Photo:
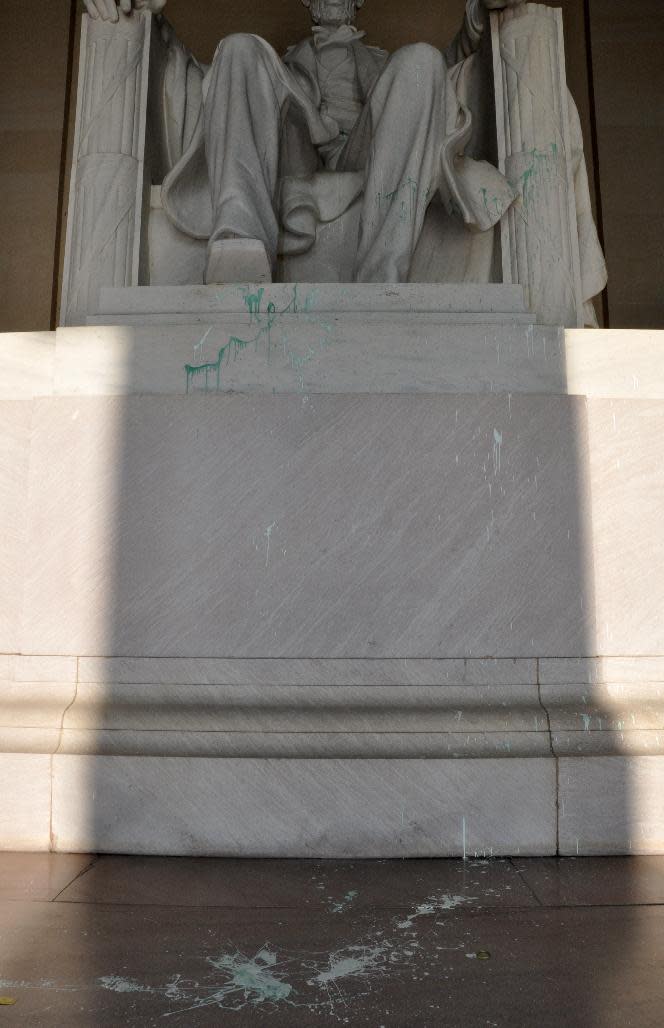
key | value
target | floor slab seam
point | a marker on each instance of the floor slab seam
(319, 911)
(466, 913)
(526, 883)
(83, 871)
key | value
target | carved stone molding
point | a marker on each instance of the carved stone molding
(107, 192)
(539, 237)
(299, 708)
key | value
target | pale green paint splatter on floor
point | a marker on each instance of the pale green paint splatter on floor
(355, 960)
(339, 906)
(252, 977)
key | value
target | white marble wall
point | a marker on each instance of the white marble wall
(290, 526)
(325, 808)
(332, 621)
(332, 757)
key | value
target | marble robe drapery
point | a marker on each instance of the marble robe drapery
(186, 190)
(308, 197)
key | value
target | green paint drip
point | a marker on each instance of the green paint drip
(266, 320)
(408, 203)
(233, 346)
(489, 202)
(253, 303)
(540, 162)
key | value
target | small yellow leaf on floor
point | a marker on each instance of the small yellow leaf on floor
(7, 1001)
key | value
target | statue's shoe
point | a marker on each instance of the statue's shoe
(237, 260)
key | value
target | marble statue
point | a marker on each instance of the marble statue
(333, 103)
(263, 150)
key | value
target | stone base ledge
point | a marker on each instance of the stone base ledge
(281, 808)
(465, 300)
(329, 708)
(332, 757)
(332, 352)
(290, 531)
(340, 808)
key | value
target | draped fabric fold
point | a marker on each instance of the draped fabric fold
(311, 190)
(465, 183)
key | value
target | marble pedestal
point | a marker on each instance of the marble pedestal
(288, 576)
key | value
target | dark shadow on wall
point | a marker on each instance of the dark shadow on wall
(269, 549)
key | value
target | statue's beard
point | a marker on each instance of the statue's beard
(333, 12)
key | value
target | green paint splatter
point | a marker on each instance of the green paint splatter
(233, 346)
(541, 161)
(251, 977)
(434, 905)
(353, 961)
(492, 202)
(115, 983)
(408, 203)
(211, 370)
(341, 905)
(253, 304)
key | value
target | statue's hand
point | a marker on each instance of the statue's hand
(499, 5)
(108, 10)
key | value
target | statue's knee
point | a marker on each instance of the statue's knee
(239, 44)
(418, 60)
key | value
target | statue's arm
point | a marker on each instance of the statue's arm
(180, 93)
(108, 10)
(467, 40)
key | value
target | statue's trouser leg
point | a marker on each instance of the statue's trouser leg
(402, 165)
(249, 88)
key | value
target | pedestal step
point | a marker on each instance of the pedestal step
(460, 303)
(361, 617)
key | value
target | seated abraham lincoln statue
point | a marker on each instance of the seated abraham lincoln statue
(253, 139)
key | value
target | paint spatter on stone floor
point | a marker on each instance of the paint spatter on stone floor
(339, 906)
(116, 983)
(41, 983)
(318, 982)
(271, 980)
(434, 905)
(351, 962)
(239, 981)
(255, 978)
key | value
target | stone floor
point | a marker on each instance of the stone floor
(175, 941)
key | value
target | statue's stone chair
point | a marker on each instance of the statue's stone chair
(119, 235)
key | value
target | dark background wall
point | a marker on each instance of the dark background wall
(628, 76)
(34, 59)
(620, 104)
